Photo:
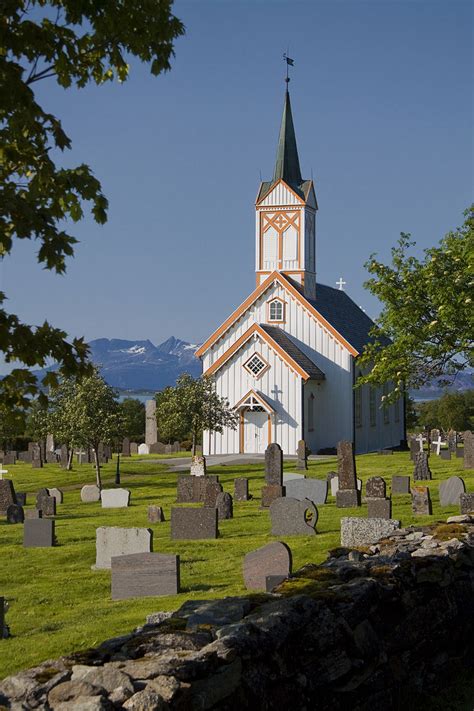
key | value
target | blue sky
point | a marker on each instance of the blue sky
(382, 103)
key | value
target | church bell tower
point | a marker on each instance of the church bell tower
(286, 216)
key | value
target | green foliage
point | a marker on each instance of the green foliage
(12, 425)
(133, 418)
(411, 414)
(427, 312)
(191, 407)
(76, 43)
(453, 411)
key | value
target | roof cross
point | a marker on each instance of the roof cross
(340, 284)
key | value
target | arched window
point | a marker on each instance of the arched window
(276, 311)
(311, 413)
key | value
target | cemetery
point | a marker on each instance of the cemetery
(81, 572)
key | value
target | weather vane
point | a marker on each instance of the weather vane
(289, 63)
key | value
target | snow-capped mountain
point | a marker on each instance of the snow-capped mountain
(140, 365)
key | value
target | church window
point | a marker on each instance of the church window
(396, 408)
(386, 410)
(256, 365)
(276, 310)
(311, 413)
(373, 406)
(358, 407)
(290, 248)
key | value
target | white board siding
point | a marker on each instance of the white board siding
(233, 382)
(369, 438)
(280, 196)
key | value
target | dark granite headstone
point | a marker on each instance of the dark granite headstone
(274, 559)
(192, 489)
(375, 488)
(144, 575)
(421, 501)
(270, 493)
(21, 498)
(241, 489)
(9, 458)
(468, 438)
(291, 517)
(379, 508)
(25, 457)
(422, 468)
(400, 484)
(274, 464)
(452, 440)
(155, 514)
(224, 506)
(193, 523)
(38, 533)
(7, 495)
(347, 498)
(414, 448)
(51, 458)
(36, 463)
(466, 502)
(212, 489)
(156, 448)
(445, 454)
(346, 465)
(46, 504)
(126, 447)
(64, 456)
(451, 490)
(302, 454)
(15, 514)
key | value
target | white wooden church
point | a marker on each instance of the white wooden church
(286, 358)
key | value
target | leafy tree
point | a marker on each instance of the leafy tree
(191, 407)
(133, 414)
(427, 313)
(453, 411)
(411, 414)
(12, 425)
(76, 43)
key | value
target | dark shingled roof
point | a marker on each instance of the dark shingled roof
(285, 342)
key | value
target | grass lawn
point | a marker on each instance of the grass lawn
(59, 605)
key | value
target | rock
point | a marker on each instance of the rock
(463, 518)
(213, 612)
(86, 703)
(70, 690)
(165, 686)
(146, 700)
(105, 677)
(157, 617)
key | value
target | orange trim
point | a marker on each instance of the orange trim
(272, 188)
(269, 340)
(274, 276)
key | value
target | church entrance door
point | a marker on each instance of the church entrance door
(255, 431)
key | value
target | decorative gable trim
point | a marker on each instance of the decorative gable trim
(256, 329)
(275, 276)
(260, 399)
(275, 185)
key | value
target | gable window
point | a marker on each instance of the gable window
(373, 407)
(276, 311)
(256, 365)
(311, 413)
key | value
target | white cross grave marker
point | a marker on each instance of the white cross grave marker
(420, 439)
(340, 284)
(2, 472)
(438, 442)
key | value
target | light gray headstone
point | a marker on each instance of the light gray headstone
(291, 517)
(450, 491)
(292, 476)
(115, 498)
(38, 533)
(114, 541)
(151, 434)
(365, 531)
(143, 449)
(56, 494)
(90, 493)
(334, 485)
(316, 490)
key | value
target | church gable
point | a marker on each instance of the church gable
(279, 194)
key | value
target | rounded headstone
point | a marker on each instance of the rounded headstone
(224, 506)
(450, 491)
(375, 488)
(57, 494)
(15, 514)
(270, 560)
(291, 517)
(90, 493)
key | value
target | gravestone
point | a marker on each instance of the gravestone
(38, 533)
(46, 503)
(241, 489)
(151, 433)
(212, 490)
(176, 446)
(21, 498)
(334, 485)
(126, 447)
(143, 449)
(366, 531)
(133, 448)
(57, 494)
(192, 489)
(50, 443)
(375, 488)
(51, 458)
(302, 454)
(400, 484)
(15, 514)
(114, 541)
(434, 434)
(155, 448)
(224, 506)
(445, 454)
(291, 476)
(274, 464)
(115, 498)
(198, 466)
(24, 457)
(291, 517)
(271, 560)
(155, 514)
(160, 448)
(459, 452)
(422, 468)
(36, 464)
(414, 448)
(468, 438)
(32, 513)
(64, 456)
(421, 501)
(347, 498)
(451, 490)
(90, 493)
(9, 458)
(270, 493)
(7, 495)
(168, 449)
(193, 523)
(346, 465)
(379, 508)
(144, 575)
(466, 502)
(452, 440)
(316, 490)
(330, 476)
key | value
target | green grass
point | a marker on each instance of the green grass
(59, 605)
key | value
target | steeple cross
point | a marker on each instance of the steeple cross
(340, 284)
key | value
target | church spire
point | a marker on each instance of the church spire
(287, 165)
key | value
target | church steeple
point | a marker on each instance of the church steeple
(287, 164)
